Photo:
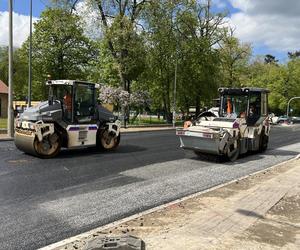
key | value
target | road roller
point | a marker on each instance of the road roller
(241, 125)
(70, 118)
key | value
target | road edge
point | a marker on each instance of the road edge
(142, 130)
(6, 139)
(81, 236)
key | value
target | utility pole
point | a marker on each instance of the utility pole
(10, 120)
(30, 57)
(174, 97)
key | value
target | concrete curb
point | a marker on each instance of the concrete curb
(6, 139)
(82, 236)
(147, 130)
(148, 126)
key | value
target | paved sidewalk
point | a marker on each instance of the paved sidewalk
(5, 137)
(261, 211)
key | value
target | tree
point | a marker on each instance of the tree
(116, 96)
(119, 26)
(60, 49)
(68, 5)
(161, 58)
(20, 72)
(269, 59)
(119, 97)
(201, 30)
(273, 77)
(4, 64)
(292, 87)
(234, 60)
(294, 55)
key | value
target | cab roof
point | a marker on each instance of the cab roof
(69, 82)
(245, 90)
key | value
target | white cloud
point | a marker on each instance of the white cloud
(270, 23)
(220, 4)
(243, 5)
(91, 19)
(20, 28)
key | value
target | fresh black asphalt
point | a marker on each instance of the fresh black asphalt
(44, 201)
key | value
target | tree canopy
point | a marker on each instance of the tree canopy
(144, 46)
(60, 50)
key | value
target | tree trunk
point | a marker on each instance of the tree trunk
(197, 105)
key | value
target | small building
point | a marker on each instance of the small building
(3, 99)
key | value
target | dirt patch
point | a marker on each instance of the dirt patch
(270, 233)
(280, 226)
(173, 216)
(221, 193)
(288, 209)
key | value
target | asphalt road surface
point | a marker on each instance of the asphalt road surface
(44, 201)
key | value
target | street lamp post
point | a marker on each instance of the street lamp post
(288, 105)
(10, 120)
(174, 97)
(30, 57)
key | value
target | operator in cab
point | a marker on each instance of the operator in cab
(68, 104)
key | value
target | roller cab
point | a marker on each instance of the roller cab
(71, 118)
(241, 125)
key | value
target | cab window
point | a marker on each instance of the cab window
(84, 103)
(234, 106)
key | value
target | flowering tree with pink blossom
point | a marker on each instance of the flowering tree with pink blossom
(115, 96)
(122, 99)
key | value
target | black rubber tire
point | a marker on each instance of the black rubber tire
(263, 142)
(51, 155)
(100, 142)
(234, 155)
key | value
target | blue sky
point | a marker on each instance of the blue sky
(23, 6)
(268, 25)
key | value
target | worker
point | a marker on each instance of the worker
(229, 106)
(252, 116)
(242, 114)
(68, 105)
(230, 109)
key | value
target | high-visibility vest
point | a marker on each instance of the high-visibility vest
(68, 102)
(229, 106)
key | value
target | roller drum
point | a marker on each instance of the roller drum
(25, 143)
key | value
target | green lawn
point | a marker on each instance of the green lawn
(152, 121)
(3, 122)
(142, 121)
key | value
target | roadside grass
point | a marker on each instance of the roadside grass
(147, 120)
(152, 121)
(3, 123)
(142, 121)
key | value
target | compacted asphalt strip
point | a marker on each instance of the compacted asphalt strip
(44, 201)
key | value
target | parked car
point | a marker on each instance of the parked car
(282, 119)
(292, 119)
(295, 119)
